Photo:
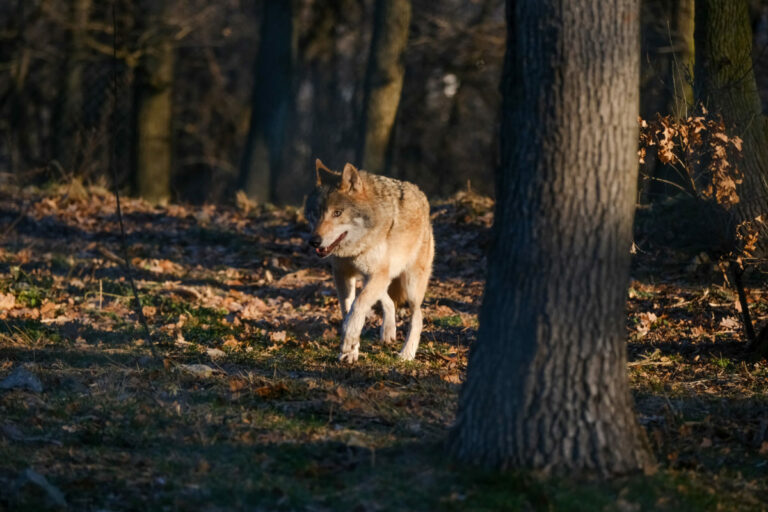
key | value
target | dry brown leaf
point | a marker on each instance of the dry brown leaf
(7, 301)
(271, 390)
(237, 384)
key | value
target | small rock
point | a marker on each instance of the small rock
(21, 378)
(215, 353)
(198, 370)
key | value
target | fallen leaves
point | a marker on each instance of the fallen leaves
(7, 301)
(248, 325)
(645, 322)
(730, 323)
(253, 309)
(237, 384)
(272, 390)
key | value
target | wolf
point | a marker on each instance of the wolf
(378, 229)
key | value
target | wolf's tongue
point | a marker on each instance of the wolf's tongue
(324, 251)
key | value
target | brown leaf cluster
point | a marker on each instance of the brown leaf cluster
(747, 236)
(700, 149)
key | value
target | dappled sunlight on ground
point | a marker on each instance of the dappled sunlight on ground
(246, 403)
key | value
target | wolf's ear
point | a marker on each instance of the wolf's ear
(325, 176)
(350, 179)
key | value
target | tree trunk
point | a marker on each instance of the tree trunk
(154, 105)
(69, 114)
(725, 83)
(22, 150)
(547, 386)
(682, 57)
(669, 88)
(383, 82)
(263, 153)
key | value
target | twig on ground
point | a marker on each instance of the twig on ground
(13, 224)
(738, 283)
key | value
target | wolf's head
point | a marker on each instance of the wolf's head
(337, 210)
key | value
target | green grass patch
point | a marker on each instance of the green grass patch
(448, 321)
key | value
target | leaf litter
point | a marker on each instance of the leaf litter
(249, 399)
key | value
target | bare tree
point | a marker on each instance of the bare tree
(546, 385)
(69, 111)
(154, 107)
(383, 82)
(263, 153)
(681, 35)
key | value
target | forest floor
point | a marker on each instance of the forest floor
(246, 407)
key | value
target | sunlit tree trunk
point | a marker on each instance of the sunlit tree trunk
(383, 82)
(547, 385)
(725, 83)
(154, 109)
(69, 114)
(263, 153)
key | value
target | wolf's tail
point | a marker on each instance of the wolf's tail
(396, 291)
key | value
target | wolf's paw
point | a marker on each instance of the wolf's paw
(406, 354)
(350, 356)
(388, 333)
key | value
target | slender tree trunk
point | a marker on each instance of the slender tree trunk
(383, 82)
(263, 154)
(154, 111)
(725, 83)
(21, 150)
(322, 61)
(547, 385)
(69, 114)
(674, 53)
(682, 57)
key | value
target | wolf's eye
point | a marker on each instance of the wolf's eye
(337, 213)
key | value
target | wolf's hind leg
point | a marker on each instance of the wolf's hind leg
(388, 327)
(416, 281)
(408, 352)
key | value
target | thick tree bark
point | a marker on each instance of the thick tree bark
(154, 111)
(263, 153)
(725, 83)
(69, 113)
(546, 385)
(383, 82)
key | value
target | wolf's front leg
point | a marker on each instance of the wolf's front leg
(353, 323)
(344, 278)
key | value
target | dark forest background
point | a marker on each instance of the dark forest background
(197, 63)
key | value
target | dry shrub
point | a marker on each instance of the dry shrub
(706, 158)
